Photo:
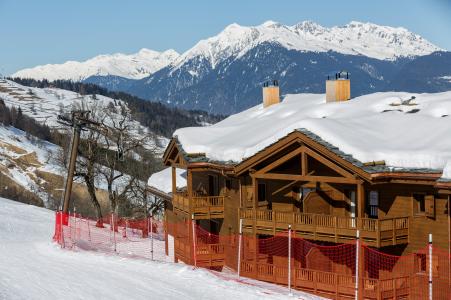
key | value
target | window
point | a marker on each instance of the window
(373, 203)
(296, 193)
(228, 184)
(213, 185)
(261, 192)
(419, 206)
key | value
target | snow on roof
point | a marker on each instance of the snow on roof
(163, 180)
(407, 130)
(447, 171)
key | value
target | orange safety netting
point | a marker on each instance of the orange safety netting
(329, 270)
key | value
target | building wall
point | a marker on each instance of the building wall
(396, 200)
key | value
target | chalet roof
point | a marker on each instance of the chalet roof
(162, 180)
(410, 132)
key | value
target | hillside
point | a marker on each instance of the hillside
(44, 105)
(32, 267)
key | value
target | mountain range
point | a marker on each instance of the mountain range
(223, 74)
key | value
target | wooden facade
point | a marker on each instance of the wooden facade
(323, 194)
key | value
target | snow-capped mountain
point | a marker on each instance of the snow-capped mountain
(133, 66)
(355, 38)
(223, 74)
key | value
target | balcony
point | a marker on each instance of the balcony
(202, 207)
(328, 228)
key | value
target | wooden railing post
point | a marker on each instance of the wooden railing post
(393, 231)
(289, 259)
(240, 238)
(273, 217)
(357, 265)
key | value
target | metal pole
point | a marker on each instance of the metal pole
(430, 266)
(194, 240)
(357, 254)
(71, 169)
(289, 259)
(151, 237)
(74, 241)
(89, 230)
(114, 230)
(61, 229)
(240, 238)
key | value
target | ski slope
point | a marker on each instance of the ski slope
(33, 267)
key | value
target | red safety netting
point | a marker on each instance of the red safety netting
(330, 270)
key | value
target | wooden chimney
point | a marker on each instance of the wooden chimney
(338, 87)
(271, 93)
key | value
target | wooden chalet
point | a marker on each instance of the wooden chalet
(325, 195)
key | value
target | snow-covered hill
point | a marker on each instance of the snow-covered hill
(133, 66)
(44, 105)
(32, 267)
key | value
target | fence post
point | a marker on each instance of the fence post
(194, 240)
(74, 240)
(289, 259)
(240, 238)
(357, 269)
(151, 237)
(430, 266)
(61, 229)
(89, 230)
(114, 230)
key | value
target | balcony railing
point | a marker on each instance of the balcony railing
(374, 232)
(202, 207)
(207, 255)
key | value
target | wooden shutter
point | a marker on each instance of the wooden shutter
(429, 205)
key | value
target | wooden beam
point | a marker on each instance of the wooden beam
(281, 160)
(174, 181)
(292, 177)
(255, 186)
(284, 187)
(328, 163)
(189, 186)
(304, 164)
(360, 200)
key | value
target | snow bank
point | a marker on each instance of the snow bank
(32, 267)
(163, 180)
(380, 126)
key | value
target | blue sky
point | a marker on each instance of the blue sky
(53, 31)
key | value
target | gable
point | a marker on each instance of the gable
(297, 155)
(173, 156)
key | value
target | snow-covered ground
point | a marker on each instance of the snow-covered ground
(33, 267)
(406, 130)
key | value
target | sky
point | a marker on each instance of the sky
(53, 31)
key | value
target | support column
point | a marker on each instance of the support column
(189, 186)
(360, 200)
(304, 164)
(255, 186)
(174, 181)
